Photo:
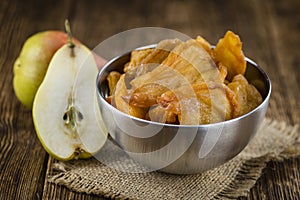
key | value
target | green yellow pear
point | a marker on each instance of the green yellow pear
(31, 65)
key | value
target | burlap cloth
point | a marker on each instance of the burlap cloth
(275, 140)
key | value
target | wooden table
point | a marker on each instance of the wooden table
(270, 31)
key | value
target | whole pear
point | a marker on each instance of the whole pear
(32, 64)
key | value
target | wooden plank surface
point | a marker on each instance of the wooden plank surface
(270, 31)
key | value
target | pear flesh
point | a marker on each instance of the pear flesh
(65, 112)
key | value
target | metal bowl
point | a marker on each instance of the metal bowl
(181, 149)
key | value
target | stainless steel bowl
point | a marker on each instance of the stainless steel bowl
(182, 149)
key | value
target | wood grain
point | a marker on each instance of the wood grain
(269, 30)
(22, 159)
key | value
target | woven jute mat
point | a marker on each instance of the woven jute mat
(274, 141)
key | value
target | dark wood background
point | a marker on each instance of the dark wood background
(269, 30)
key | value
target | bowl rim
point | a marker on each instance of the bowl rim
(222, 123)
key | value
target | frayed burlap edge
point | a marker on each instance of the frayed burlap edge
(74, 183)
(249, 171)
(248, 174)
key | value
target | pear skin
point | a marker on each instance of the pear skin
(31, 65)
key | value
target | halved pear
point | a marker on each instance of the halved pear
(65, 112)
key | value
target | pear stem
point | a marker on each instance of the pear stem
(68, 30)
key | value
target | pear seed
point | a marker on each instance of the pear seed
(80, 116)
